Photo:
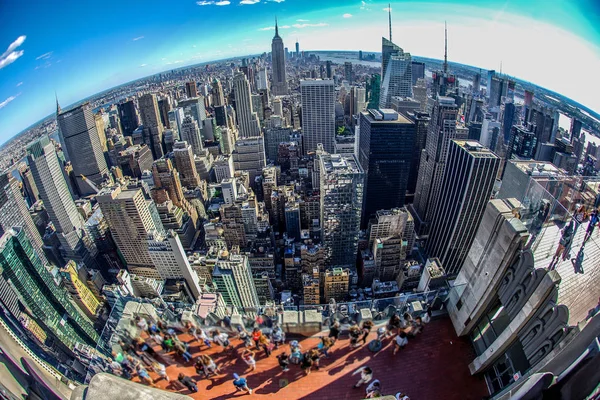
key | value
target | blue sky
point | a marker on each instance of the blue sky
(78, 48)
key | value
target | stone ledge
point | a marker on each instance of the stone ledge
(107, 386)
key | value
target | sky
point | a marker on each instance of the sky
(78, 48)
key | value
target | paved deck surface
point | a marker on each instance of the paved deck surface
(433, 366)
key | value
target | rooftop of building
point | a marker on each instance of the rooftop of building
(538, 168)
(385, 116)
(475, 148)
(341, 164)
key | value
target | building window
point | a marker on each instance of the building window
(491, 325)
(511, 364)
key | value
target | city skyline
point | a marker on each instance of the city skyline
(60, 54)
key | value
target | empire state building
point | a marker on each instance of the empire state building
(279, 86)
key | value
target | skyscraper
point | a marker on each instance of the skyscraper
(81, 141)
(50, 305)
(418, 71)
(131, 216)
(318, 114)
(184, 161)
(83, 296)
(249, 155)
(279, 85)
(153, 127)
(217, 93)
(54, 191)
(421, 121)
(14, 212)
(442, 129)
(191, 134)
(232, 277)
(248, 123)
(168, 255)
(466, 188)
(191, 90)
(129, 117)
(385, 152)
(396, 73)
(341, 182)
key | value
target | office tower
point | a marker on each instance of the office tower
(81, 142)
(223, 167)
(129, 117)
(262, 80)
(166, 177)
(131, 216)
(328, 69)
(575, 130)
(14, 212)
(191, 90)
(341, 182)
(522, 143)
(35, 287)
(83, 296)
(442, 129)
(336, 282)
(217, 93)
(179, 220)
(279, 85)
(477, 83)
(277, 107)
(385, 152)
(360, 99)
(508, 120)
(164, 107)
(196, 109)
(248, 123)
(249, 155)
(297, 49)
(191, 134)
(273, 137)
(153, 127)
(466, 188)
(318, 114)
(390, 239)
(374, 91)
(292, 219)
(32, 195)
(396, 73)
(417, 70)
(176, 118)
(348, 75)
(50, 181)
(421, 121)
(170, 259)
(184, 161)
(233, 279)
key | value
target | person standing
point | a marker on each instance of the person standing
(334, 331)
(241, 383)
(256, 335)
(325, 345)
(366, 329)
(354, 335)
(594, 219)
(188, 383)
(209, 366)
(248, 357)
(306, 363)
(265, 343)
(366, 374)
(400, 342)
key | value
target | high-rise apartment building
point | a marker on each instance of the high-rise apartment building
(81, 143)
(279, 85)
(396, 73)
(83, 296)
(442, 129)
(153, 127)
(248, 122)
(35, 287)
(312, 287)
(341, 182)
(232, 277)
(184, 161)
(318, 114)
(336, 282)
(54, 191)
(168, 255)
(421, 121)
(14, 212)
(131, 216)
(385, 152)
(466, 188)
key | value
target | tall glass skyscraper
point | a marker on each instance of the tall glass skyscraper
(318, 114)
(50, 305)
(279, 86)
(396, 73)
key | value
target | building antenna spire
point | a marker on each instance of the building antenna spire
(445, 48)
(390, 19)
(276, 28)
(58, 109)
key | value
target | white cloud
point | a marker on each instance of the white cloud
(278, 1)
(388, 9)
(143, 65)
(11, 54)
(222, 3)
(45, 56)
(19, 84)
(8, 100)
(205, 3)
(137, 38)
(347, 15)
(297, 26)
(363, 6)
(302, 20)
(249, 2)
